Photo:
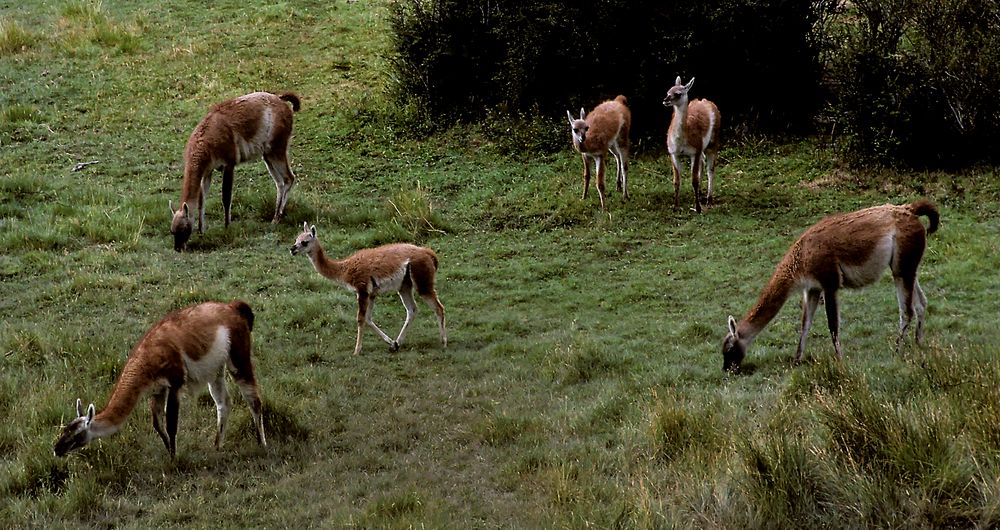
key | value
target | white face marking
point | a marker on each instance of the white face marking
(207, 367)
(579, 130)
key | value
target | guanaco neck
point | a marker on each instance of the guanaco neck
(194, 169)
(124, 397)
(329, 268)
(771, 299)
(680, 117)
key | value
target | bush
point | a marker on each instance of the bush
(460, 60)
(918, 81)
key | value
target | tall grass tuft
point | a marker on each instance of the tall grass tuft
(501, 429)
(17, 113)
(14, 37)
(827, 375)
(582, 360)
(26, 346)
(785, 481)
(396, 507)
(676, 426)
(412, 215)
(85, 23)
(887, 438)
(17, 123)
(109, 220)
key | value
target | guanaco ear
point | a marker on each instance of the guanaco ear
(170, 204)
(570, 118)
(79, 408)
(582, 115)
(687, 87)
(678, 80)
(187, 211)
(312, 230)
(305, 226)
(732, 327)
(90, 414)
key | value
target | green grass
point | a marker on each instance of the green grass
(582, 383)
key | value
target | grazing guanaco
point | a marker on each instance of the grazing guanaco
(399, 267)
(193, 345)
(604, 129)
(694, 131)
(233, 132)
(846, 250)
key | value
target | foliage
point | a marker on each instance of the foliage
(461, 59)
(917, 81)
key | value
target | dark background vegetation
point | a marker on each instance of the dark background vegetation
(910, 82)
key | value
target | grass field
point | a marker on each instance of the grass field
(582, 383)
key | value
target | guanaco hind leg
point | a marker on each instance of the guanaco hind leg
(227, 193)
(921, 308)
(249, 392)
(432, 300)
(710, 160)
(696, 163)
(601, 165)
(621, 172)
(217, 388)
(284, 179)
(810, 301)
(833, 319)
(912, 303)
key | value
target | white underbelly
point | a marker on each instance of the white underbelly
(207, 367)
(873, 268)
(391, 283)
(254, 147)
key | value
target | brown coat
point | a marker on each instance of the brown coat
(849, 250)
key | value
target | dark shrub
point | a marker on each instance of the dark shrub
(757, 59)
(919, 81)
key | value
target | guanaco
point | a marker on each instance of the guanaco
(694, 131)
(399, 268)
(189, 346)
(233, 132)
(604, 129)
(846, 250)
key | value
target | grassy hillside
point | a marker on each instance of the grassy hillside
(581, 385)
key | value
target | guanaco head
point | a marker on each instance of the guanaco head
(77, 434)
(578, 127)
(678, 94)
(181, 225)
(733, 349)
(306, 241)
